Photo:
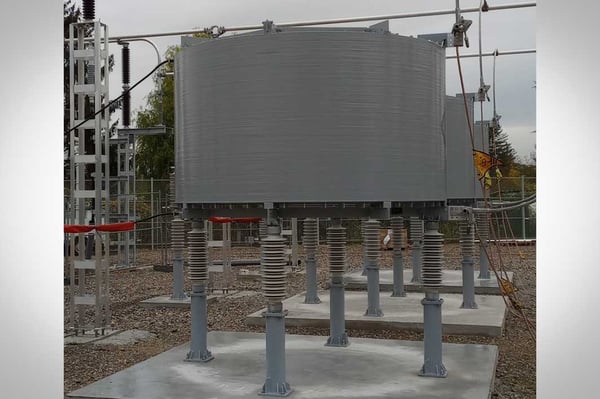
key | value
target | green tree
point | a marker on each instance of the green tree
(502, 149)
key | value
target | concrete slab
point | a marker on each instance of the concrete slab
(451, 282)
(166, 301)
(126, 337)
(401, 313)
(367, 368)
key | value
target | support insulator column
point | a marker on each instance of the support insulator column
(432, 303)
(397, 223)
(371, 242)
(273, 285)
(262, 229)
(416, 235)
(467, 249)
(362, 234)
(198, 272)
(310, 248)
(483, 231)
(172, 204)
(336, 242)
(177, 245)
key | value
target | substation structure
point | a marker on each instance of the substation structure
(310, 135)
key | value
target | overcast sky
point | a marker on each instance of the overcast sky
(503, 30)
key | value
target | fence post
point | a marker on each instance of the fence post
(523, 208)
(152, 212)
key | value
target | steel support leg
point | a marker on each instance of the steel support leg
(373, 307)
(275, 383)
(416, 263)
(432, 340)
(398, 276)
(468, 277)
(178, 292)
(198, 350)
(484, 264)
(311, 282)
(337, 323)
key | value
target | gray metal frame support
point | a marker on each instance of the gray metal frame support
(416, 262)
(336, 241)
(484, 263)
(397, 262)
(467, 246)
(432, 339)
(275, 383)
(198, 349)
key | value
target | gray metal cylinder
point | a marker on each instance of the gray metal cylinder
(432, 337)
(371, 242)
(275, 382)
(321, 97)
(309, 241)
(397, 223)
(198, 344)
(273, 265)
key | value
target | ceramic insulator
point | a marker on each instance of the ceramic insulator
(198, 255)
(483, 226)
(467, 238)
(336, 242)
(273, 267)
(172, 190)
(310, 236)
(262, 229)
(371, 239)
(416, 229)
(432, 259)
(397, 224)
(177, 236)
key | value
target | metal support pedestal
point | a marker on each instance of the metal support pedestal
(373, 307)
(199, 351)
(275, 383)
(337, 323)
(432, 340)
(416, 263)
(484, 264)
(467, 248)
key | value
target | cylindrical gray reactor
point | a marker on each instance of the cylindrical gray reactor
(362, 108)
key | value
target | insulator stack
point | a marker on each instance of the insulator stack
(89, 11)
(90, 69)
(310, 236)
(172, 190)
(262, 229)
(336, 242)
(198, 256)
(397, 224)
(467, 238)
(371, 239)
(177, 236)
(483, 226)
(416, 229)
(126, 94)
(273, 267)
(432, 258)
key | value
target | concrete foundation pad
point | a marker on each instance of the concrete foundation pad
(451, 282)
(368, 368)
(401, 313)
(88, 337)
(167, 302)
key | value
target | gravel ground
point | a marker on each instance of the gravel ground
(84, 364)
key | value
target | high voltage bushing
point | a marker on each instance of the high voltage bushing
(198, 272)
(483, 231)
(371, 242)
(432, 304)
(336, 243)
(89, 12)
(177, 245)
(309, 241)
(273, 278)
(397, 224)
(467, 249)
(416, 236)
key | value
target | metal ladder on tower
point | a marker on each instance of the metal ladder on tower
(88, 83)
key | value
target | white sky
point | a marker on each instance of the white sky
(503, 30)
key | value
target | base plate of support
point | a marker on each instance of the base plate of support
(367, 368)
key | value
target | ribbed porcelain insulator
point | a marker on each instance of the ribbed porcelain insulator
(273, 267)
(416, 229)
(198, 256)
(336, 242)
(172, 190)
(467, 238)
(371, 239)
(432, 259)
(177, 236)
(310, 238)
(397, 223)
(483, 226)
(262, 229)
